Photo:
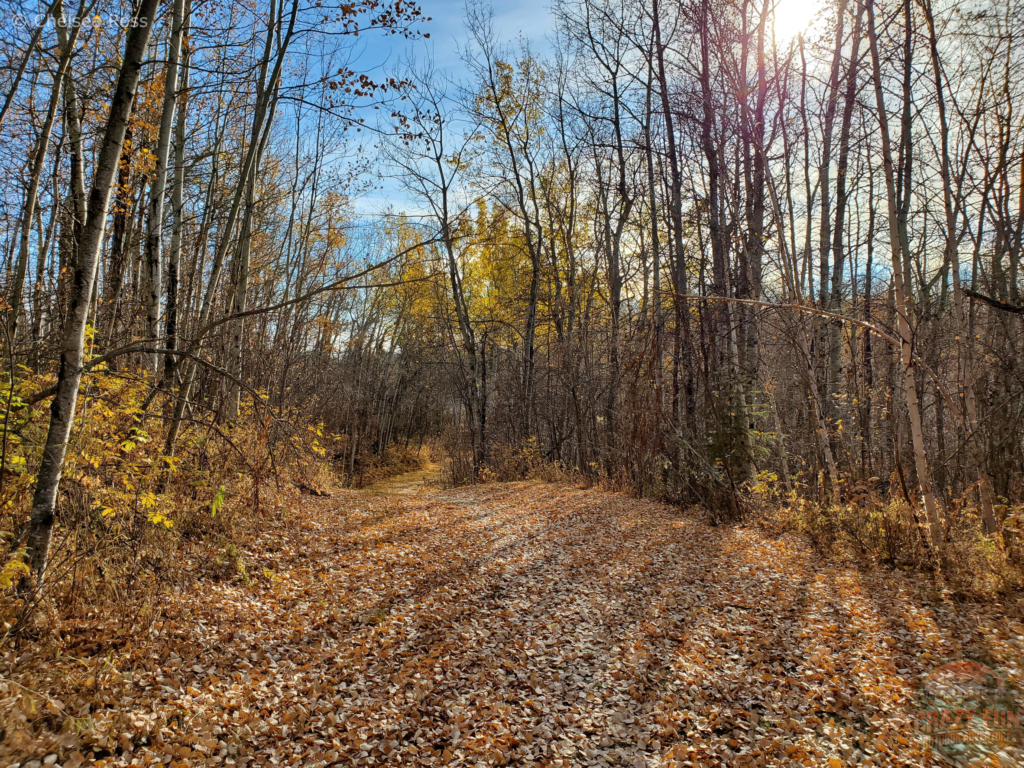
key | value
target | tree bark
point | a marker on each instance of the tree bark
(69, 375)
(177, 202)
(154, 225)
(32, 195)
(952, 205)
(902, 304)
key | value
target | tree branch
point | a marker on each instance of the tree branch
(895, 342)
(996, 303)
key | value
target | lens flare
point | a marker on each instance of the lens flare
(793, 17)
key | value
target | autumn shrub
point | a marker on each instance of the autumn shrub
(880, 528)
(456, 453)
(521, 461)
(503, 463)
(134, 520)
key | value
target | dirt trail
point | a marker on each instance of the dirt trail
(409, 483)
(527, 625)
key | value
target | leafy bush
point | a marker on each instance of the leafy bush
(133, 520)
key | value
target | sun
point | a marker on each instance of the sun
(792, 17)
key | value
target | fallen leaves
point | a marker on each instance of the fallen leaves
(519, 624)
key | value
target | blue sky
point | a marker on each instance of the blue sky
(530, 18)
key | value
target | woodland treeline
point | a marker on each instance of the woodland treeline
(671, 249)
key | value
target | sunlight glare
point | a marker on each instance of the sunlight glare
(792, 17)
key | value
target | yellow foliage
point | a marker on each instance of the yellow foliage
(13, 569)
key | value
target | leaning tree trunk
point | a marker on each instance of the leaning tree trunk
(73, 123)
(237, 305)
(953, 208)
(69, 375)
(240, 280)
(12, 89)
(924, 477)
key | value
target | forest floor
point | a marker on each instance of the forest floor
(423, 479)
(523, 624)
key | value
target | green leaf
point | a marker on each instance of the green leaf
(218, 502)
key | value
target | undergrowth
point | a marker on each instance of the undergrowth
(134, 521)
(874, 527)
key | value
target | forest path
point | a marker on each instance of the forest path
(408, 483)
(530, 624)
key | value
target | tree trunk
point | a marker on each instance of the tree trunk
(154, 225)
(32, 195)
(953, 206)
(902, 304)
(177, 204)
(69, 375)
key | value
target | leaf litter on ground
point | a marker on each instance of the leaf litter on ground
(517, 624)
